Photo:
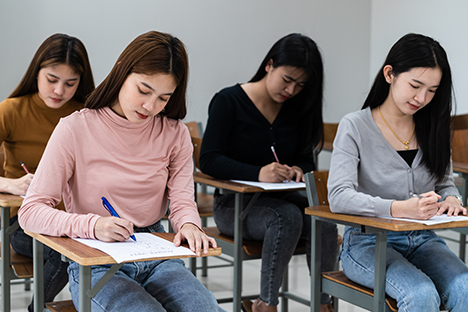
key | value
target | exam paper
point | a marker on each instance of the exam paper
(274, 186)
(146, 246)
(434, 220)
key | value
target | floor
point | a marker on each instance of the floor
(220, 281)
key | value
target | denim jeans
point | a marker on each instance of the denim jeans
(165, 285)
(55, 270)
(277, 219)
(422, 272)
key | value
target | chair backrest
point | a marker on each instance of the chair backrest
(460, 122)
(460, 138)
(316, 187)
(196, 142)
(329, 133)
(193, 129)
(460, 146)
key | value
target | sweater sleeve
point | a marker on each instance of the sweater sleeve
(180, 186)
(38, 213)
(343, 180)
(216, 140)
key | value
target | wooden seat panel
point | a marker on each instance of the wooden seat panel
(61, 306)
(340, 278)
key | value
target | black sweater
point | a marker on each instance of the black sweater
(238, 138)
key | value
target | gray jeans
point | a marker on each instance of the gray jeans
(277, 219)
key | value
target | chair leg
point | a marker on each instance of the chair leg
(27, 284)
(204, 260)
(462, 247)
(285, 287)
(193, 266)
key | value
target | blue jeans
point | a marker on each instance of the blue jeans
(422, 272)
(55, 270)
(165, 285)
(277, 219)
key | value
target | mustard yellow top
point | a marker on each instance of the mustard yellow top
(26, 124)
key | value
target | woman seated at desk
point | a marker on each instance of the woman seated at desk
(128, 145)
(56, 84)
(281, 107)
(392, 158)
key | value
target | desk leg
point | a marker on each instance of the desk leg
(237, 296)
(380, 271)
(315, 265)
(38, 267)
(85, 285)
(5, 254)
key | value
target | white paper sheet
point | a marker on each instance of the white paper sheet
(434, 220)
(274, 186)
(146, 246)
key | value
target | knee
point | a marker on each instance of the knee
(454, 298)
(424, 297)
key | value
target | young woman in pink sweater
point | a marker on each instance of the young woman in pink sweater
(128, 145)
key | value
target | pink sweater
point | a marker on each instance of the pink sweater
(139, 168)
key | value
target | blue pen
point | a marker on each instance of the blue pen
(112, 211)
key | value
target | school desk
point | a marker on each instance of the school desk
(377, 226)
(6, 202)
(240, 212)
(85, 256)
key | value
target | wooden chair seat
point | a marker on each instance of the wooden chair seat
(251, 248)
(21, 265)
(340, 278)
(61, 306)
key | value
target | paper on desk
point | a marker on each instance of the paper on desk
(146, 246)
(274, 186)
(434, 220)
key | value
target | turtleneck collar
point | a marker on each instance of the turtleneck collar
(120, 121)
(41, 104)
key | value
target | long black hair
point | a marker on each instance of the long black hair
(302, 52)
(432, 121)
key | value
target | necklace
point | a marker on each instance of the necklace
(406, 143)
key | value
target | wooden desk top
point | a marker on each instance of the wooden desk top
(85, 255)
(381, 223)
(199, 177)
(460, 167)
(8, 200)
(202, 178)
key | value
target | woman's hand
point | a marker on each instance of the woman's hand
(274, 172)
(112, 229)
(195, 238)
(296, 173)
(17, 186)
(422, 208)
(452, 206)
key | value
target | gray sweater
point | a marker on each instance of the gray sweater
(367, 173)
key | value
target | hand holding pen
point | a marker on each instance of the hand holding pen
(276, 172)
(19, 186)
(108, 227)
(423, 206)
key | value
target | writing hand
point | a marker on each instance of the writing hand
(17, 186)
(195, 238)
(422, 208)
(112, 229)
(274, 173)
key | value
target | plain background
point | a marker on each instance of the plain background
(227, 39)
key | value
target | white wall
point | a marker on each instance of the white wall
(226, 39)
(445, 21)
